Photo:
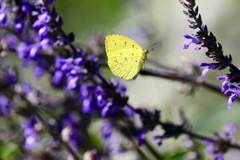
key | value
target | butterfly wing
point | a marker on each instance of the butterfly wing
(125, 56)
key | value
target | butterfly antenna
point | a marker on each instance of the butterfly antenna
(152, 45)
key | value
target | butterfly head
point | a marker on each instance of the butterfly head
(146, 51)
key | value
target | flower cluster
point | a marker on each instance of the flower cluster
(219, 147)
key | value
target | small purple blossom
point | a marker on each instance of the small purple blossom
(31, 133)
(218, 146)
(3, 18)
(73, 70)
(19, 25)
(140, 135)
(5, 107)
(234, 92)
(192, 39)
(208, 67)
(71, 123)
(225, 84)
(230, 129)
(213, 149)
(112, 139)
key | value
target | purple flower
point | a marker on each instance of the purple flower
(19, 25)
(208, 67)
(57, 78)
(8, 76)
(3, 18)
(112, 139)
(11, 41)
(31, 133)
(119, 88)
(192, 39)
(5, 107)
(71, 123)
(106, 130)
(171, 130)
(225, 84)
(27, 8)
(72, 69)
(219, 146)
(148, 121)
(140, 134)
(230, 129)
(234, 92)
(159, 139)
(213, 149)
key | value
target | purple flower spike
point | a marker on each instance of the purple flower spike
(192, 39)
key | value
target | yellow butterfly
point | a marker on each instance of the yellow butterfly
(125, 56)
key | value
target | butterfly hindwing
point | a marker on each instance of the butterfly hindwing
(125, 56)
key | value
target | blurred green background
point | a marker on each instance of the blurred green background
(163, 22)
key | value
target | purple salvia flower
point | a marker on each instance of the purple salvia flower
(234, 92)
(230, 129)
(192, 39)
(71, 123)
(72, 82)
(8, 76)
(19, 25)
(27, 8)
(5, 107)
(140, 135)
(159, 139)
(112, 140)
(38, 72)
(219, 146)
(23, 50)
(105, 110)
(31, 133)
(106, 130)
(213, 149)
(33, 50)
(46, 43)
(119, 88)
(57, 78)
(42, 32)
(225, 84)
(208, 67)
(128, 111)
(11, 40)
(3, 17)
